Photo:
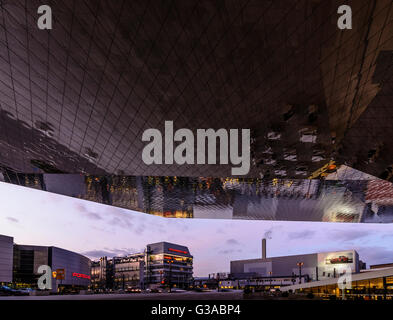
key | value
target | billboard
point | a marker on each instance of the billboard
(335, 258)
(332, 264)
(339, 259)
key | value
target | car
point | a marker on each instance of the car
(340, 259)
(23, 291)
(8, 291)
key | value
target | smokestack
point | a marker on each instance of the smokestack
(263, 248)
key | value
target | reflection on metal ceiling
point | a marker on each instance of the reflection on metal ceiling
(227, 198)
(75, 100)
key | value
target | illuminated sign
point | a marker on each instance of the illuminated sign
(176, 250)
(339, 259)
(59, 274)
(336, 258)
(80, 275)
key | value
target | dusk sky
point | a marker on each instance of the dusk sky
(41, 218)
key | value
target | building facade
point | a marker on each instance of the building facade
(74, 266)
(307, 267)
(373, 284)
(6, 252)
(102, 273)
(129, 271)
(161, 264)
(169, 264)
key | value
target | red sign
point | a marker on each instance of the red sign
(176, 250)
(80, 275)
(59, 274)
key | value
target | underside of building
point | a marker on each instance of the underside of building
(76, 100)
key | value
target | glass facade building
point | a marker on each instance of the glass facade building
(161, 264)
(27, 259)
(369, 285)
(169, 264)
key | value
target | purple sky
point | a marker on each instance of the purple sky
(42, 218)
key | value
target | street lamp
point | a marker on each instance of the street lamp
(270, 273)
(161, 272)
(170, 275)
(300, 264)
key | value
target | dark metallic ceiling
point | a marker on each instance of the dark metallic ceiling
(78, 97)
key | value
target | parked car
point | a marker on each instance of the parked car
(23, 291)
(26, 289)
(8, 291)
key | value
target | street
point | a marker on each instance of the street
(189, 295)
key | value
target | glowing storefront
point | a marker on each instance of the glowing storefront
(376, 284)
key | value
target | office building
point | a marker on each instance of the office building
(119, 272)
(169, 263)
(161, 264)
(74, 266)
(19, 265)
(101, 273)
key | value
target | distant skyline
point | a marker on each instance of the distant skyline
(42, 218)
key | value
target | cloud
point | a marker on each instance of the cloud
(140, 229)
(87, 213)
(14, 220)
(375, 255)
(307, 234)
(122, 222)
(232, 242)
(387, 235)
(230, 251)
(220, 230)
(95, 254)
(348, 235)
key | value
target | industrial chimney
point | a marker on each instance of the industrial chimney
(263, 248)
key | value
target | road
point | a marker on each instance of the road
(190, 295)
